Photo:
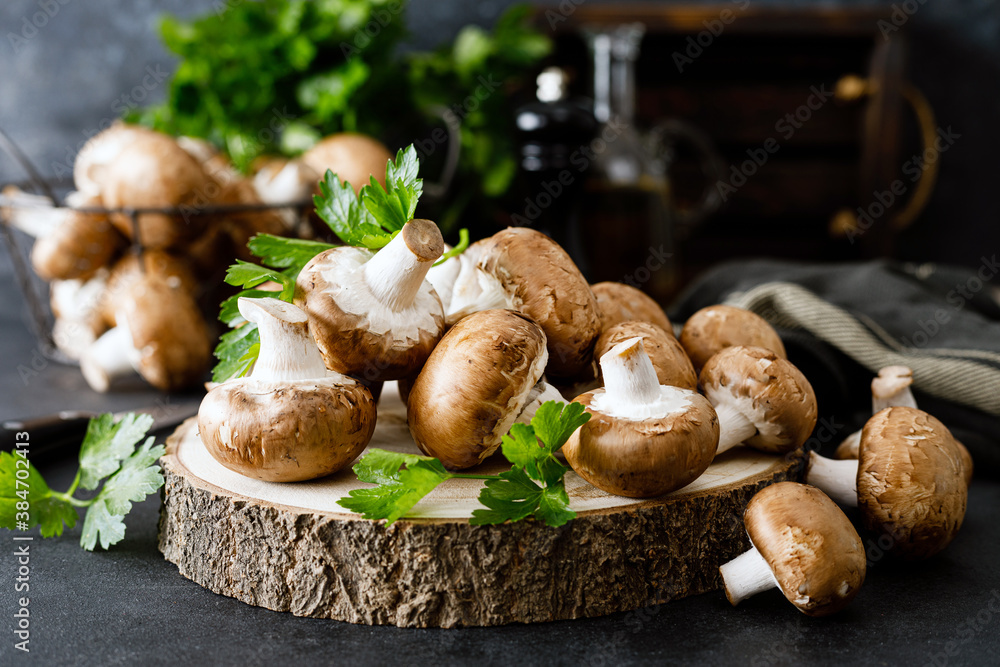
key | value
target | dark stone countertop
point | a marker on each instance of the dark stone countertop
(129, 606)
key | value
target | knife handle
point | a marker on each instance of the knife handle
(48, 436)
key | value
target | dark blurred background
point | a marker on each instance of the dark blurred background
(71, 77)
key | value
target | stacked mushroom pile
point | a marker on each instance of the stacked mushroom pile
(128, 287)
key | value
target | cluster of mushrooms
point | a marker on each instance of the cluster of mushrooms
(135, 256)
(479, 341)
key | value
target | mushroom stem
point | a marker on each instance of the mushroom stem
(734, 427)
(629, 376)
(540, 393)
(108, 359)
(287, 351)
(746, 575)
(891, 389)
(394, 274)
(838, 479)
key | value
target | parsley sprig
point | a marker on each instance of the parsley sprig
(108, 453)
(533, 487)
(368, 220)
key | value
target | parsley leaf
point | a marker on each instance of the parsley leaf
(107, 443)
(235, 352)
(44, 509)
(533, 487)
(346, 216)
(285, 253)
(108, 453)
(403, 480)
(394, 205)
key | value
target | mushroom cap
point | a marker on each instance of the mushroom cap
(648, 457)
(768, 390)
(816, 556)
(354, 158)
(618, 302)
(356, 334)
(152, 171)
(174, 270)
(287, 432)
(911, 481)
(474, 385)
(100, 152)
(542, 282)
(715, 328)
(81, 245)
(167, 331)
(672, 365)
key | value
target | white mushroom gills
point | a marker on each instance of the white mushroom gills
(631, 388)
(396, 272)
(746, 575)
(734, 427)
(837, 479)
(287, 351)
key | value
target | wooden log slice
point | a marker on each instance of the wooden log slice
(290, 547)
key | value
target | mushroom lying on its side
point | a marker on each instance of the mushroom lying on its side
(802, 543)
(618, 302)
(291, 419)
(484, 375)
(909, 481)
(714, 328)
(762, 400)
(891, 389)
(374, 316)
(643, 439)
(160, 333)
(672, 366)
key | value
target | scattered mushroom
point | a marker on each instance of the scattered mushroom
(374, 316)
(909, 481)
(291, 419)
(485, 374)
(159, 332)
(762, 400)
(618, 302)
(671, 363)
(802, 543)
(643, 439)
(715, 328)
(355, 158)
(891, 388)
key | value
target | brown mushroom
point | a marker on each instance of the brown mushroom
(152, 171)
(79, 246)
(671, 363)
(539, 279)
(715, 328)
(618, 302)
(100, 152)
(802, 543)
(909, 481)
(160, 333)
(133, 266)
(291, 419)
(643, 439)
(374, 316)
(355, 158)
(762, 400)
(481, 378)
